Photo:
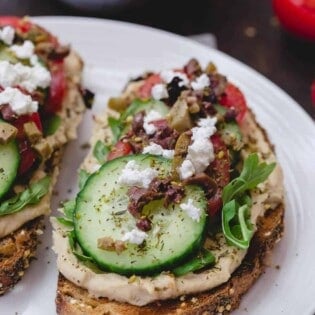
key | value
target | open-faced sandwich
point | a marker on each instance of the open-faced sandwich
(180, 201)
(41, 103)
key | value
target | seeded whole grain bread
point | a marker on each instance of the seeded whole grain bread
(19, 247)
(73, 300)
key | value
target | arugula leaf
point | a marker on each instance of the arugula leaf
(68, 209)
(236, 225)
(241, 231)
(204, 259)
(32, 195)
(100, 151)
(64, 221)
(83, 176)
(253, 173)
(116, 127)
(76, 250)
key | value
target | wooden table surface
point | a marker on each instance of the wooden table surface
(245, 29)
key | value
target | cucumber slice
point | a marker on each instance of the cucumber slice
(138, 105)
(9, 163)
(101, 212)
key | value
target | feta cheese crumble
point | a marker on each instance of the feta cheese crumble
(159, 91)
(156, 149)
(168, 75)
(7, 35)
(200, 153)
(20, 103)
(24, 51)
(186, 170)
(132, 175)
(149, 128)
(27, 77)
(201, 82)
(135, 236)
(191, 210)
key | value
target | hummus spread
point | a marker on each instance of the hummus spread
(72, 109)
(143, 290)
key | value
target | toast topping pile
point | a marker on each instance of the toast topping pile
(168, 187)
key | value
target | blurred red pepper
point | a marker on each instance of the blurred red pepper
(297, 16)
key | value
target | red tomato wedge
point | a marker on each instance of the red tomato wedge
(297, 16)
(19, 24)
(120, 149)
(57, 87)
(144, 91)
(27, 157)
(233, 97)
(21, 120)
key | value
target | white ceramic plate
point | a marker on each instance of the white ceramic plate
(113, 52)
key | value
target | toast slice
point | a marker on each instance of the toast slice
(18, 248)
(72, 299)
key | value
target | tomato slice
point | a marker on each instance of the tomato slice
(219, 169)
(297, 17)
(57, 87)
(21, 120)
(233, 97)
(19, 24)
(120, 149)
(27, 157)
(144, 91)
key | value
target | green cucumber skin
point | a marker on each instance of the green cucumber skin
(133, 261)
(9, 164)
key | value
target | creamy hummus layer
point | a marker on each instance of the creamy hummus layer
(72, 109)
(143, 290)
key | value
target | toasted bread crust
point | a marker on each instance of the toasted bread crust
(19, 247)
(16, 252)
(73, 300)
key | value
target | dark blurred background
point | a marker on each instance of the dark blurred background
(245, 29)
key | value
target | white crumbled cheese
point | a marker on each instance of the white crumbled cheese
(201, 82)
(156, 149)
(7, 35)
(168, 75)
(24, 51)
(159, 91)
(186, 170)
(191, 210)
(20, 103)
(132, 175)
(24, 76)
(152, 115)
(200, 153)
(135, 236)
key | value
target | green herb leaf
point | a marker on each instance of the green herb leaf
(116, 127)
(236, 226)
(32, 195)
(100, 151)
(83, 176)
(66, 222)
(68, 209)
(51, 125)
(204, 259)
(76, 250)
(253, 173)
